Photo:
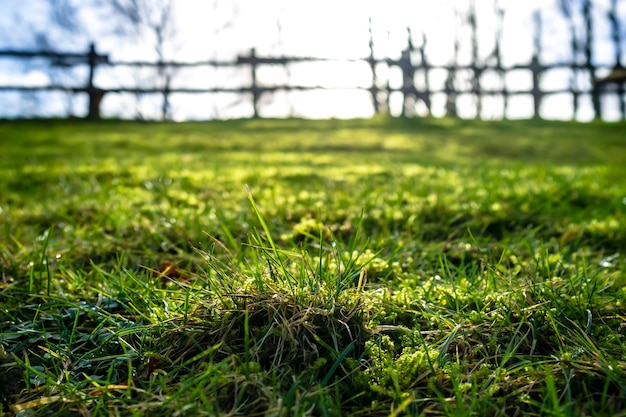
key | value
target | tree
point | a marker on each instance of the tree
(151, 21)
(60, 28)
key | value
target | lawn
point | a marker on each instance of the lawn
(288, 267)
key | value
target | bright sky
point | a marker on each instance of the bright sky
(325, 28)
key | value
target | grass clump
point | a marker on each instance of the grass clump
(408, 267)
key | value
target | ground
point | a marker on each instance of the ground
(292, 267)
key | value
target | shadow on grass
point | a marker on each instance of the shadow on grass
(426, 140)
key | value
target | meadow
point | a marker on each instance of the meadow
(378, 267)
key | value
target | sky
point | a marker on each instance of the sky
(222, 30)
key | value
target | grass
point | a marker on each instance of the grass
(291, 267)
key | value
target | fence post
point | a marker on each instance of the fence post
(95, 94)
(449, 86)
(408, 73)
(617, 44)
(256, 92)
(574, 79)
(497, 53)
(371, 60)
(476, 87)
(535, 67)
(450, 92)
(426, 95)
(591, 68)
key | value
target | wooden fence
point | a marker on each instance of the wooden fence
(379, 94)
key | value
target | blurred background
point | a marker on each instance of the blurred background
(211, 59)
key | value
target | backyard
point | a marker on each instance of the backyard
(377, 267)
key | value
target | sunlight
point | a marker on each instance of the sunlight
(223, 32)
(329, 29)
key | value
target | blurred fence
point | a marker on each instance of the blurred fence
(413, 64)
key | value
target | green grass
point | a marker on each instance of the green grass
(288, 268)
